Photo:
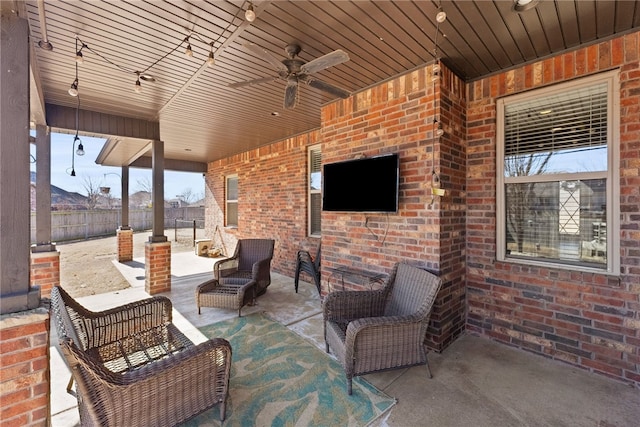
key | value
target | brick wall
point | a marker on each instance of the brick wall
(393, 117)
(272, 199)
(24, 358)
(586, 319)
(157, 267)
(45, 271)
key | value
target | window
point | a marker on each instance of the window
(315, 190)
(231, 202)
(557, 154)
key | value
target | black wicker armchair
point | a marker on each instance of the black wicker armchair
(133, 367)
(250, 261)
(372, 331)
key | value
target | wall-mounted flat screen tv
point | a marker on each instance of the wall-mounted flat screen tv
(368, 184)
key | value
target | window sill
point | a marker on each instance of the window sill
(558, 266)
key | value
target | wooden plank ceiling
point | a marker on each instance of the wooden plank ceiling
(203, 119)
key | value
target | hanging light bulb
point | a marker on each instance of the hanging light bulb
(73, 90)
(249, 14)
(188, 51)
(73, 172)
(79, 57)
(80, 150)
(441, 16)
(439, 132)
(211, 60)
(138, 87)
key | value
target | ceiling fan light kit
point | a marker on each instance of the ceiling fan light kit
(294, 71)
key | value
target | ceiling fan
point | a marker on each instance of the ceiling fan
(294, 71)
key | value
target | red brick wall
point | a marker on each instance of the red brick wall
(45, 271)
(24, 358)
(590, 320)
(272, 194)
(396, 116)
(157, 266)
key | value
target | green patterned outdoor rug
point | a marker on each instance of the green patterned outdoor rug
(280, 379)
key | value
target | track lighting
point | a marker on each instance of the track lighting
(73, 90)
(250, 15)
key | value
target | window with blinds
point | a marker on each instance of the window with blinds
(231, 201)
(555, 175)
(315, 190)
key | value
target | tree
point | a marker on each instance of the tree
(520, 197)
(144, 184)
(187, 196)
(92, 188)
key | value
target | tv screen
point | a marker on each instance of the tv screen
(362, 185)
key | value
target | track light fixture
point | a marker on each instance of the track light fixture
(250, 15)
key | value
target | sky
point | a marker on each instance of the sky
(175, 183)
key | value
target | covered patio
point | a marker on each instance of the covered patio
(206, 87)
(475, 381)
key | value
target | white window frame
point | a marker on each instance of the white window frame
(228, 201)
(611, 175)
(311, 191)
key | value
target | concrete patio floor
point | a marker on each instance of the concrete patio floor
(476, 382)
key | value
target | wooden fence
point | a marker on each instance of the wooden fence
(75, 225)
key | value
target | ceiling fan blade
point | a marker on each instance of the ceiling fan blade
(329, 60)
(253, 82)
(326, 87)
(291, 94)
(266, 56)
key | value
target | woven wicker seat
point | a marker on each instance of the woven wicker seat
(133, 367)
(225, 295)
(372, 331)
(250, 261)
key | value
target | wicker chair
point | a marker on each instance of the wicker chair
(311, 266)
(250, 261)
(133, 367)
(372, 331)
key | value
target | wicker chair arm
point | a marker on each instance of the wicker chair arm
(261, 270)
(225, 267)
(349, 305)
(162, 393)
(207, 286)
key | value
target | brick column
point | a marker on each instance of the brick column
(25, 395)
(125, 244)
(45, 271)
(157, 266)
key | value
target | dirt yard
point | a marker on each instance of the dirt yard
(86, 267)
